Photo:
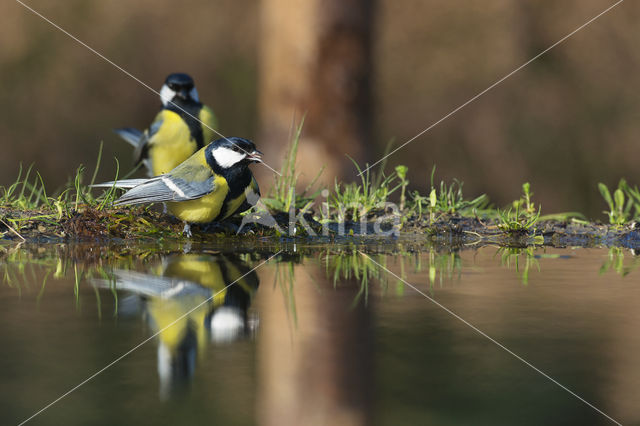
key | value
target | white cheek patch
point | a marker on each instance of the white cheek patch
(226, 157)
(194, 95)
(166, 94)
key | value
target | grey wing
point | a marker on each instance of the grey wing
(166, 188)
(152, 285)
(136, 282)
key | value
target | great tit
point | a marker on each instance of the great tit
(183, 126)
(190, 301)
(228, 321)
(211, 185)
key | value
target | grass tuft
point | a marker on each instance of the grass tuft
(282, 196)
(522, 215)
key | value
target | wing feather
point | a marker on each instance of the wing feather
(166, 188)
(152, 285)
(122, 184)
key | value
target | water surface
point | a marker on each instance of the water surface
(329, 337)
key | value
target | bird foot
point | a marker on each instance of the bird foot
(186, 231)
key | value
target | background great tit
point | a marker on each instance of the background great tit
(188, 301)
(210, 185)
(175, 133)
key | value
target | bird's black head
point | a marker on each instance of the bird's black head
(229, 153)
(178, 87)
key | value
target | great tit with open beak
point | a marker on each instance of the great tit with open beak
(183, 126)
(211, 185)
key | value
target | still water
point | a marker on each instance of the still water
(325, 337)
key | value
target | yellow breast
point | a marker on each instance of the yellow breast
(171, 145)
(174, 317)
(202, 210)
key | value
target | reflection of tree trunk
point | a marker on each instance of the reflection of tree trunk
(315, 369)
(315, 60)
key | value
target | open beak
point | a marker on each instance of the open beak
(255, 157)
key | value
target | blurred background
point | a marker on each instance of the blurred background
(364, 73)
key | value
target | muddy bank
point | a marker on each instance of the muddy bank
(146, 226)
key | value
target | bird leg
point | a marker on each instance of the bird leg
(186, 231)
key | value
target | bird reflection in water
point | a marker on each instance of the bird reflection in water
(190, 302)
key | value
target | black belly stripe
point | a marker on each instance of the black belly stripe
(237, 182)
(192, 118)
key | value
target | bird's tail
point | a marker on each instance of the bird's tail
(122, 184)
(151, 285)
(136, 282)
(130, 135)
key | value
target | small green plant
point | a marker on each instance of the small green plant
(634, 197)
(524, 203)
(447, 199)
(23, 193)
(522, 215)
(355, 201)
(619, 211)
(401, 172)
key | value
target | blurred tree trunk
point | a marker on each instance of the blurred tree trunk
(314, 352)
(315, 61)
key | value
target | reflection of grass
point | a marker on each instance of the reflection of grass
(284, 278)
(22, 269)
(512, 256)
(18, 269)
(352, 265)
(349, 264)
(615, 262)
(444, 265)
